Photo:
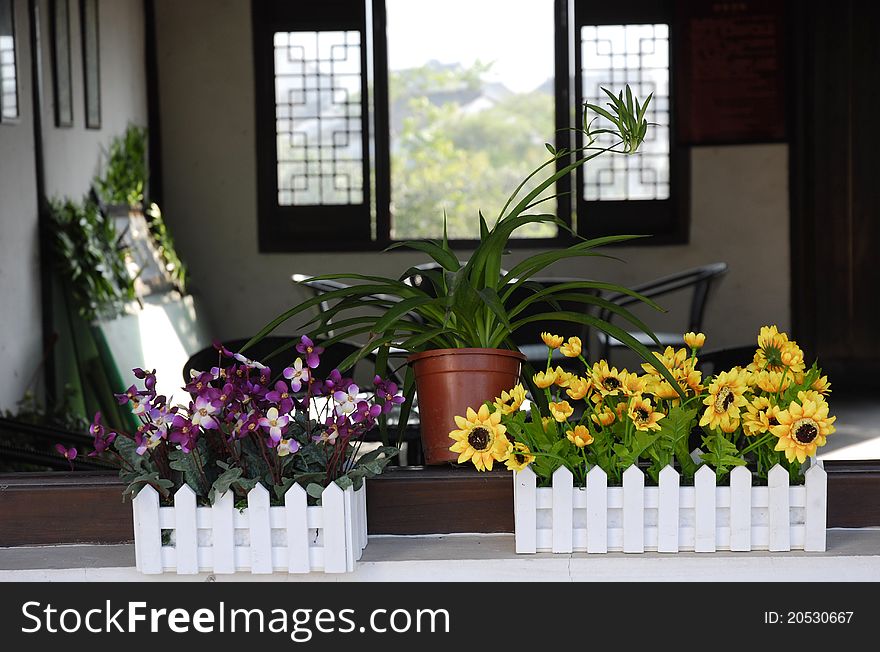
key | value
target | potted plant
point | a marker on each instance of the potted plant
(580, 465)
(256, 471)
(458, 323)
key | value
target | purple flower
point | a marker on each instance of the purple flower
(281, 397)
(297, 375)
(312, 352)
(199, 383)
(67, 453)
(128, 395)
(366, 413)
(183, 432)
(149, 378)
(276, 424)
(335, 428)
(346, 400)
(103, 439)
(201, 413)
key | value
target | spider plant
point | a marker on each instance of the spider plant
(476, 304)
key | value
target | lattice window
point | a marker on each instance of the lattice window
(8, 85)
(318, 118)
(611, 57)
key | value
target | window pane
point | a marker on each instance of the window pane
(611, 57)
(8, 86)
(318, 118)
(471, 104)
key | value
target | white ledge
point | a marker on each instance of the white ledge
(852, 555)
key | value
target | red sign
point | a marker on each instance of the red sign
(730, 71)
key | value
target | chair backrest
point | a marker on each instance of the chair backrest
(699, 278)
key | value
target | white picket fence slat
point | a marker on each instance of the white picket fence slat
(670, 517)
(294, 538)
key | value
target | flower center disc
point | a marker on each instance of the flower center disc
(723, 400)
(479, 438)
(611, 383)
(805, 431)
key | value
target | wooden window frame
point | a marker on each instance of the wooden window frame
(367, 226)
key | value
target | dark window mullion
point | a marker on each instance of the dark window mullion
(381, 120)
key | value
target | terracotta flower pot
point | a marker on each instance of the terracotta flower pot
(449, 381)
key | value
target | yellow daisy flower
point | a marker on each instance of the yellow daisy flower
(578, 388)
(725, 399)
(821, 385)
(671, 358)
(519, 458)
(605, 417)
(633, 384)
(562, 377)
(553, 341)
(561, 410)
(572, 348)
(609, 382)
(662, 389)
(759, 416)
(694, 340)
(643, 415)
(802, 429)
(776, 352)
(544, 379)
(773, 382)
(480, 438)
(580, 436)
(510, 402)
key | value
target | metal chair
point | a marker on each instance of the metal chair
(700, 279)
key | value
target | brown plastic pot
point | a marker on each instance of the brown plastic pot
(449, 381)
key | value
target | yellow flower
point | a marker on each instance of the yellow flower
(775, 352)
(510, 402)
(773, 382)
(643, 415)
(821, 385)
(580, 436)
(561, 410)
(544, 379)
(759, 416)
(604, 418)
(553, 341)
(633, 384)
(694, 340)
(572, 348)
(662, 389)
(578, 388)
(562, 377)
(810, 395)
(725, 399)
(802, 428)
(480, 438)
(690, 378)
(671, 358)
(609, 382)
(519, 458)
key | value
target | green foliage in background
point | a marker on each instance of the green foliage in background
(90, 259)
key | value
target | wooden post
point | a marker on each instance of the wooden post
(333, 506)
(815, 509)
(740, 509)
(667, 510)
(525, 511)
(563, 514)
(223, 535)
(349, 524)
(779, 509)
(704, 510)
(260, 530)
(295, 506)
(597, 510)
(186, 542)
(633, 510)
(147, 533)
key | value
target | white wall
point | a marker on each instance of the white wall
(20, 315)
(71, 158)
(72, 155)
(739, 196)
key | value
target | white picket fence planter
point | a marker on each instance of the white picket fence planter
(670, 518)
(295, 538)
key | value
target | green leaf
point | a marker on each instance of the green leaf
(223, 483)
(442, 256)
(314, 490)
(162, 485)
